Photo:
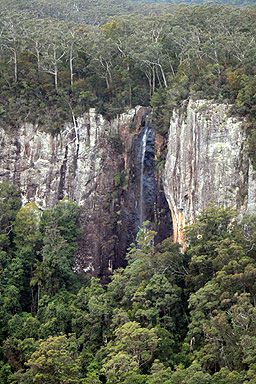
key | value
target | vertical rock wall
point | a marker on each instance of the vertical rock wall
(95, 163)
(206, 162)
(98, 164)
(80, 163)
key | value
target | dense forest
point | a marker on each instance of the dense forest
(170, 316)
(167, 317)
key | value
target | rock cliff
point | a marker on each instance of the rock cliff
(108, 169)
(206, 162)
(96, 163)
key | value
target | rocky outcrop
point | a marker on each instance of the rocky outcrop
(48, 168)
(206, 162)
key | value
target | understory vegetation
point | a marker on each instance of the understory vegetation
(167, 317)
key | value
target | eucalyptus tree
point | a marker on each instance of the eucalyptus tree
(12, 37)
(54, 50)
(37, 39)
(74, 36)
(145, 47)
(102, 52)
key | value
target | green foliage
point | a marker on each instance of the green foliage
(10, 203)
(116, 143)
(64, 217)
(167, 317)
(27, 240)
(26, 229)
(5, 373)
(212, 226)
(54, 314)
(60, 232)
(159, 374)
(155, 303)
(132, 348)
(54, 361)
(222, 310)
(163, 105)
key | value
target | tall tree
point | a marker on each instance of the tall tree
(133, 347)
(12, 38)
(55, 361)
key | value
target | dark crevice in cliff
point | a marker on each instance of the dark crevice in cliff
(16, 178)
(149, 195)
(163, 216)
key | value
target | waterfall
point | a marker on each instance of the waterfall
(143, 150)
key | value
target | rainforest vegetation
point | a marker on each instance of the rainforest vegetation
(168, 317)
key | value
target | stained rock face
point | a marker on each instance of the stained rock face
(93, 163)
(81, 164)
(99, 164)
(143, 197)
(206, 162)
(48, 168)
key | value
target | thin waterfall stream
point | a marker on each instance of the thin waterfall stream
(143, 150)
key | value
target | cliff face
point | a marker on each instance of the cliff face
(108, 169)
(98, 164)
(81, 164)
(71, 164)
(206, 162)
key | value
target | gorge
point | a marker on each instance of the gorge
(128, 192)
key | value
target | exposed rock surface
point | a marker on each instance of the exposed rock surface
(80, 163)
(144, 198)
(99, 165)
(206, 162)
(93, 163)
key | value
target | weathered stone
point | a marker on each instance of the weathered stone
(60, 165)
(80, 164)
(206, 162)
(84, 163)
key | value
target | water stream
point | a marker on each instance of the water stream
(143, 151)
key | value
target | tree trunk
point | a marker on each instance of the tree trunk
(71, 65)
(56, 78)
(15, 63)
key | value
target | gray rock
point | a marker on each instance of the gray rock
(206, 162)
